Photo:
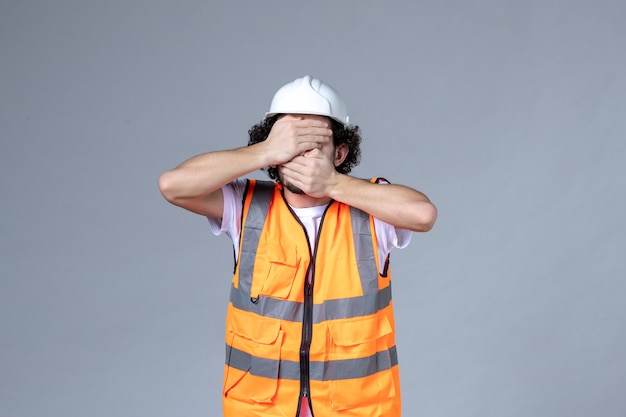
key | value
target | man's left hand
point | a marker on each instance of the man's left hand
(313, 172)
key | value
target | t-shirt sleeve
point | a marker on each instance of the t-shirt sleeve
(233, 206)
(391, 237)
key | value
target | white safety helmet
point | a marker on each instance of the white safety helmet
(308, 95)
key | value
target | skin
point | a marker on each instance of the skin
(301, 147)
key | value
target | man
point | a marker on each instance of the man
(310, 328)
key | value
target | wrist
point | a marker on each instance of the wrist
(264, 155)
(339, 185)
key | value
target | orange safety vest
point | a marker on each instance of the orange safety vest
(330, 338)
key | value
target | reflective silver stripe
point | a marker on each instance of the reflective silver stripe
(329, 310)
(352, 307)
(319, 371)
(366, 262)
(243, 361)
(266, 306)
(253, 226)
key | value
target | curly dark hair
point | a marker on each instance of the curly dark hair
(349, 135)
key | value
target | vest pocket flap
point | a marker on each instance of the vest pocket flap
(357, 331)
(284, 254)
(282, 269)
(258, 329)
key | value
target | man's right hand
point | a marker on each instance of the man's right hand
(293, 135)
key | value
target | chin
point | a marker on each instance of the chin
(293, 188)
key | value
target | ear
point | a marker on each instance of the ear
(341, 153)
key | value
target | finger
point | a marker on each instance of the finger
(316, 130)
(296, 163)
(308, 146)
(295, 170)
(312, 142)
(299, 122)
(312, 122)
(313, 136)
(313, 153)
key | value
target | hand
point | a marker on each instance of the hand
(313, 172)
(293, 135)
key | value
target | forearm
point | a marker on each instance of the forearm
(398, 205)
(202, 175)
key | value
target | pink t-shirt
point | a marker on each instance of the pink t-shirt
(388, 236)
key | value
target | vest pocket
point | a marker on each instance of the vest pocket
(252, 358)
(360, 362)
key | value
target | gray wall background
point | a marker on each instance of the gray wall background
(508, 114)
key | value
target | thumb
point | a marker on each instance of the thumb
(313, 153)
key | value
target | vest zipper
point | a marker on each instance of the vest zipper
(307, 319)
(305, 345)
(307, 334)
